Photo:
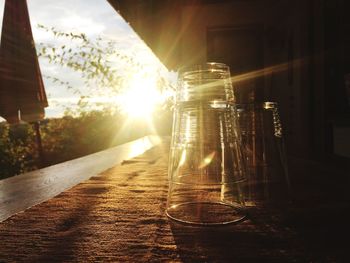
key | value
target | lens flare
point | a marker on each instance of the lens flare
(141, 99)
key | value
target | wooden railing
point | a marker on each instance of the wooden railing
(25, 190)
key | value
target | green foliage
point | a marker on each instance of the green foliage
(69, 137)
(93, 59)
(17, 149)
(85, 57)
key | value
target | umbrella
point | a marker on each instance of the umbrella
(22, 93)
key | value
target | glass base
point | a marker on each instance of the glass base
(206, 213)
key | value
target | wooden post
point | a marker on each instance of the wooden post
(42, 161)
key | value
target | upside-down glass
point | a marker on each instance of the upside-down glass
(267, 171)
(206, 166)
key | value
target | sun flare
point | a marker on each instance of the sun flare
(141, 99)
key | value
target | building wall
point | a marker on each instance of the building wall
(284, 30)
(196, 19)
(288, 43)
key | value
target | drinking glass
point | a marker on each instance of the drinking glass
(206, 164)
(267, 171)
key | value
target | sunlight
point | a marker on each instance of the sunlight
(141, 99)
(140, 146)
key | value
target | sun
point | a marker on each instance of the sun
(141, 99)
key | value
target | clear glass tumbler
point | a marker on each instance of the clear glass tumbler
(206, 165)
(267, 171)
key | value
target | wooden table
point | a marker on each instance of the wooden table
(118, 216)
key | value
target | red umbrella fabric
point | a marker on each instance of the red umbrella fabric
(22, 93)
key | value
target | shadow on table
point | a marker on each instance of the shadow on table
(324, 227)
(243, 242)
(70, 227)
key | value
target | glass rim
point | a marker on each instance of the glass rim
(266, 105)
(203, 67)
(236, 218)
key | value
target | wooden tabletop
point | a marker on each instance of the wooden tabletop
(118, 216)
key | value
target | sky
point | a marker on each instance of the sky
(94, 18)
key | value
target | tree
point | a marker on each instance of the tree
(95, 60)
